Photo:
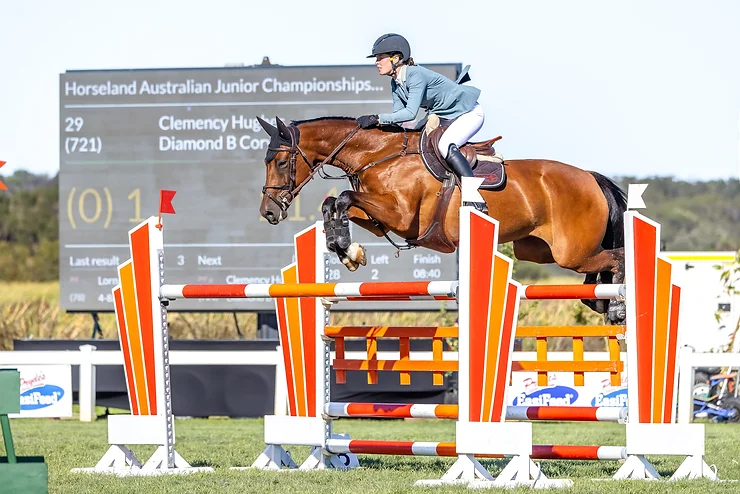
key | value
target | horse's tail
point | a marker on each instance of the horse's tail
(617, 200)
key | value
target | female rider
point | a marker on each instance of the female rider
(413, 86)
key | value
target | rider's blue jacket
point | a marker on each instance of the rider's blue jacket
(420, 87)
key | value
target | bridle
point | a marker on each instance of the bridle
(289, 190)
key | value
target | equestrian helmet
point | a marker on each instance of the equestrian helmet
(392, 43)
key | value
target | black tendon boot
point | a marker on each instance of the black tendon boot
(461, 167)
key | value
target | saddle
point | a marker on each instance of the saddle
(483, 158)
(485, 162)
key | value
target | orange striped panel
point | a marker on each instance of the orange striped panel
(482, 246)
(670, 379)
(140, 256)
(305, 252)
(542, 357)
(497, 304)
(614, 356)
(340, 375)
(578, 377)
(662, 313)
(645, 256)
(293, 328)
(123, 337)
(505, 352)
(128, 296)
(438, 378)
(404, 346)
(372, 356)
(288, 273)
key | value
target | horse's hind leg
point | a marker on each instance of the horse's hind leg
(610, 265)
(595, 305)
(617, 312)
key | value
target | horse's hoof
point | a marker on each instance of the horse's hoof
(356, 252)
(351, 265)
(617, 313)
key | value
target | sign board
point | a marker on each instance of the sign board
(126, 134)
(46, 390)
(704, 300)
(597, 390)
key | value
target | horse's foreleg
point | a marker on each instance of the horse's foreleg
(329, 211)
(372, 205)
(332, 230)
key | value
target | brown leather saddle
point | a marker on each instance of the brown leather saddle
(484, 162)
(481, 156)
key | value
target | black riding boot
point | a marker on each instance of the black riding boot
(461, 167)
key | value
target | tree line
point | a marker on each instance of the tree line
(694, 215)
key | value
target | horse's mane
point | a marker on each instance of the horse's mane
(384, 128)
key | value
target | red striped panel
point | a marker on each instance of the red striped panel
(305, 251)
(482, 233)
(140, 257)
(670, 390)
(645, 260)
(505, 349)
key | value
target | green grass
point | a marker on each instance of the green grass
(222, 443)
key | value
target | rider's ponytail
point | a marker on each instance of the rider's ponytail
(410, 61)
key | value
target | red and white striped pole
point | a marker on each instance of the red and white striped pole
(421, 448)
(427, 411)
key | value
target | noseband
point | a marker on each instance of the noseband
(290, 190)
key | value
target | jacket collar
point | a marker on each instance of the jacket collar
(401, 75)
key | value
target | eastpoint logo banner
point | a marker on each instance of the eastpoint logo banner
(546, 396)
(611, 397)
(46, 390)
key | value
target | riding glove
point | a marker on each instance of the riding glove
(367, 121)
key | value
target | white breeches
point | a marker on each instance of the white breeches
(462, 129)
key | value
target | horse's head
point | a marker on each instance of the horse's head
(286, 174)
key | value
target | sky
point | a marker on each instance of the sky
(641, 88)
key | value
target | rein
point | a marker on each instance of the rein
(290, 190)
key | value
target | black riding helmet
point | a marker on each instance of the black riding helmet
(392, 43)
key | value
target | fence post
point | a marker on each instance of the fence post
(87, 384)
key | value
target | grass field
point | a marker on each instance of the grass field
(222, 443)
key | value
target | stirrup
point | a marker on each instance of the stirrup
(480, 206)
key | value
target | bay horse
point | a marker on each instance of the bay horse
(552, 212)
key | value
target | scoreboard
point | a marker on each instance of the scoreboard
(126, 134)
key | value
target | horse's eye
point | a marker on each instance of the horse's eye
(282, 164)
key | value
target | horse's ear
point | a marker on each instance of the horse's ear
(269, 128)
(283, 129)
